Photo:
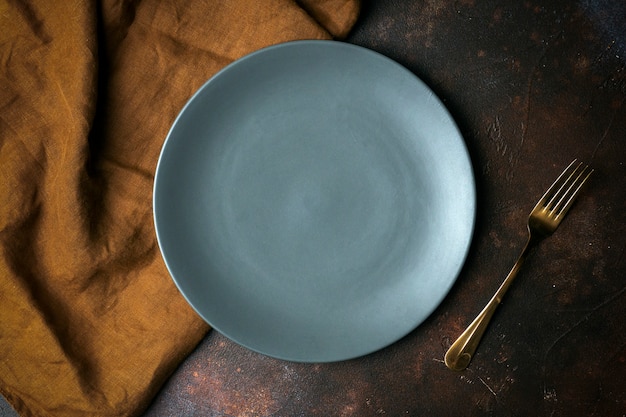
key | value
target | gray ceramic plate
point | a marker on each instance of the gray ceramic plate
(314, 201)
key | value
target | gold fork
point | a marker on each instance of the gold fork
(542, 222)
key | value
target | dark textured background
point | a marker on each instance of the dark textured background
(532, 85)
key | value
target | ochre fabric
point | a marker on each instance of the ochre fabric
(90, 321)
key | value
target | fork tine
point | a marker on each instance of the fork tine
(557, 199)
(572, 196)
(556, 187)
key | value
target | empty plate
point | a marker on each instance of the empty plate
(314, 201)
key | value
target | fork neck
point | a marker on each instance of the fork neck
(531, 242)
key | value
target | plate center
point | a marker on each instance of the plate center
(317, 204)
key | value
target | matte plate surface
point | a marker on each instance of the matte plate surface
(314, 201)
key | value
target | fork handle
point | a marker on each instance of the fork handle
(462, 350)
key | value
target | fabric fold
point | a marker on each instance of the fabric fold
(90, 322)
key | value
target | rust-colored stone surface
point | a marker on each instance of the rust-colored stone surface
(532, 85)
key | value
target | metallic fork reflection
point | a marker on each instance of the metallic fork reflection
(542, 222)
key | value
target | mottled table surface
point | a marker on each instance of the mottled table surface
(532, 85)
